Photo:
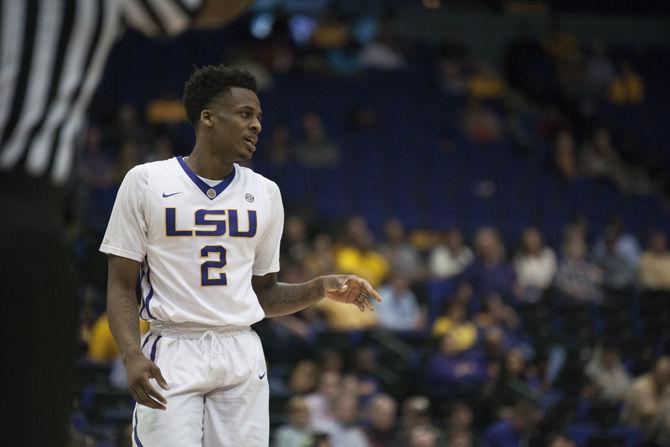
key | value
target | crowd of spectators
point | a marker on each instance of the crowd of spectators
(479, 340)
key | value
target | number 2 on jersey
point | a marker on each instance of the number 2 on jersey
(206, 278)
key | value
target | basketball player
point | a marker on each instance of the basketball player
(203, 234)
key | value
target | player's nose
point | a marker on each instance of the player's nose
(256, 126)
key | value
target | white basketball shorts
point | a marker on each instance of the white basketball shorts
(218, 394)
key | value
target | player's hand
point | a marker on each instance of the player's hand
(139, 370)
(350, 289)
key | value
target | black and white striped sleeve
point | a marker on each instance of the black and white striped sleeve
(161, 17)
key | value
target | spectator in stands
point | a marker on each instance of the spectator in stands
(399, 309)
(459, 424)
(402, 256)
(279, 150)
(647, 404)
(600, 70)
(626, 245)
(296, 432)
(162, 149)
(510, 378)
(461, 438)
(490, 273)
(320, 403)
(384, 52)
(303, 377)
(535, 266)
(516, 430)
(608, 374)
(454, 322)
(358, 256)
(315, 150)
(627, 87)
(423, 437)
(452, 372)
(564, 155)
(320, 259)
(618, 274)
(101, 345)
(95, 168)
(654, 270)
(416, 415)
(381, 416)
(577, 280)
(450, 257)
(295, 244)
(601, 159)
(497, 314)
(346, 431)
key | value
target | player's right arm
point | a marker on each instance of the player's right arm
(123, 315)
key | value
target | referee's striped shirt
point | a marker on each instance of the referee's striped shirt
(52, 54)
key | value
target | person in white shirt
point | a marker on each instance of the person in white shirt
(451, 257)
(203, 234)
(535, 265)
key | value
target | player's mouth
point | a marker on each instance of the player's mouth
(251, 142)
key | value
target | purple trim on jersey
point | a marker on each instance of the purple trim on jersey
(137, 438)
(152, 356)
(151, 292)
(144, 343)
(143, 306)
(204, 187)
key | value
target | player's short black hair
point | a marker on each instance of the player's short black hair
(208, 82)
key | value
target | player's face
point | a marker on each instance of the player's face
(236, 123)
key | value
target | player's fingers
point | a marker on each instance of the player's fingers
(152, 392)
(156, 374)
(143, 398)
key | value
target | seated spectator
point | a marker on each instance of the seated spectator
(577, 280)
(303, 377)
(490, 273)
(423, 437)
(647, 404)
(654, 267)
(399, 309)
(564, 155)
(497, 314)
(601, 159)
(454, 322)
(416, 416)
(341, 317)
(101, 345)
(296, 432)
(627, 87)
(626, 244)
(459, 429)
(320, 403)
(535, 266)
(515, 430)
(383, 53)
(315, 150)
(364, 369)
(320, 260)
(346, 430)
(359, 257)
(453, 372)
(402, 256)
(617, 272)
(450, 257)
(381, 416)
(509, 379)
(162, 149)
(608, 374)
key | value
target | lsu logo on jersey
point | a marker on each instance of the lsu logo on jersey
(213, 223)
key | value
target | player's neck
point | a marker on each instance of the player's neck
(208, 165)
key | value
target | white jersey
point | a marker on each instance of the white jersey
(199, 242)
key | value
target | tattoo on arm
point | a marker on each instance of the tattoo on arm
(284, 299)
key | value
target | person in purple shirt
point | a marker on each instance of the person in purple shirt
(490, 273)
(517, 429)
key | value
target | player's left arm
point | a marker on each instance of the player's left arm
(279, 299)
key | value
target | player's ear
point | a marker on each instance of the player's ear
(206, 118)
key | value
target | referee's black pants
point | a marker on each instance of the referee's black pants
(39, 316)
